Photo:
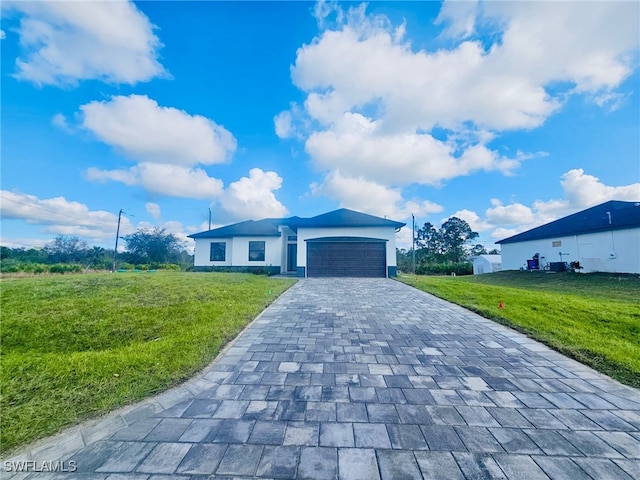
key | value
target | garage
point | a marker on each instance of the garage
(346, 257)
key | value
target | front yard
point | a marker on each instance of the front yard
(77, 346)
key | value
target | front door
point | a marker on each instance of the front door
(292, 257)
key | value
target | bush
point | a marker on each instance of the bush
(65, 268)
(463, 268)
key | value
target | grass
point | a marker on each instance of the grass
(74, 347)
(594, 318)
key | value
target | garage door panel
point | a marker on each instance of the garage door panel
(346, 259)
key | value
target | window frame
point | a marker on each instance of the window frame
(257, 247)
(224, 252)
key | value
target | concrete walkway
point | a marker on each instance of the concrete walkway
(367, 379)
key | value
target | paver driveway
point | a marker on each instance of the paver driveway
(372, 379)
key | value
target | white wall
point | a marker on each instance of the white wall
(611, 251)
(383, 233)
(202, 252)
(237, 252)
(272, 251)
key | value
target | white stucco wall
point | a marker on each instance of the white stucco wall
(202, 251)
(383, 233)
(237, 253)
(611, 251)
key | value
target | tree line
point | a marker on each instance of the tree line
(144, 249)
(443, 250)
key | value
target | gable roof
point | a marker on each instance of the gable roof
(344, 217)
(260, 228)
(269, 226)
(612, 215)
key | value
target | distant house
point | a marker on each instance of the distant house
(604, 238)
(486, 264)
(341, 243)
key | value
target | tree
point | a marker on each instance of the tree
(477, 250)
(66, 249)
(447, 244)
(153, 246)
(455, 234)
(429, 246)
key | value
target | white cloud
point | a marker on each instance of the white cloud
(164, 179)
(148, 132)
(252, 197)
(460, 17)
(374, 102)
(60, 121)
(64, 42)
(580, 191)
(360, 194)
(282, 124)
(357, 146)
(59, 216)
(153, 209)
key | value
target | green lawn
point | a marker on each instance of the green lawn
(594, 318)
(77, 346)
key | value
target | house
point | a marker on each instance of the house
(604, 238)
(486, 264)
(341, 243)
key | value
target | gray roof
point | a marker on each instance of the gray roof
(612, 215)
(269, 226)
(260, 228)
(347, 218)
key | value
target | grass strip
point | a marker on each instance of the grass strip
(74, 347)
(593, 318)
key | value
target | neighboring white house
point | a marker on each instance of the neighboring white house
(487, 263)
(342, 243)
(604, 238)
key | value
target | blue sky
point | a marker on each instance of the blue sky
(505, 114)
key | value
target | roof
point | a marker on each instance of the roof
(269, 226)
(612, 215)
(346, 218)
(491, 258)
(260, 228)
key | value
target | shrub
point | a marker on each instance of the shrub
(64, 268)
(463, 268)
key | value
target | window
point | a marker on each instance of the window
(556, 244)
(256, 251)
(218, 252)
(292, 238)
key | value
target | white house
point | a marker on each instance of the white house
(487, 263)
(604, 238)
(342, 243)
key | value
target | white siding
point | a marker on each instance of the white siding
(383, 233)
(612, 251)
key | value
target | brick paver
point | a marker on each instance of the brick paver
(371, 379)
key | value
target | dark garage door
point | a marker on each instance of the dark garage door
(346, 259)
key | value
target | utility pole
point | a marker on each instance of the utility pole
(209, 219)
(413, 240)
(115, 250)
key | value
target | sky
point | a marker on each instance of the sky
(505, 114)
